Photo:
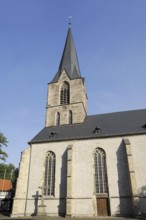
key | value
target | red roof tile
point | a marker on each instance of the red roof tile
(5, 185)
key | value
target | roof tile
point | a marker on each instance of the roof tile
(111, 124)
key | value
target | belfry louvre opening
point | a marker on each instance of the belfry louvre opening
(64, 94)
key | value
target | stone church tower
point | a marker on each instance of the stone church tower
(67, 99)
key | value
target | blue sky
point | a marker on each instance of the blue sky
(110, 38)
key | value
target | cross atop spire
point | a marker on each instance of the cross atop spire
(69, 60)
(69, 21)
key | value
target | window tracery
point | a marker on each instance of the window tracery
(49, 177)
(64, 94)
(101, 185)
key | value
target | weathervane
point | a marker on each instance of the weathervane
(69, 21)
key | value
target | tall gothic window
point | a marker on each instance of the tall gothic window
(70, 119)
(101, 184)
(49, 177)
(57, 119)
(64, 94)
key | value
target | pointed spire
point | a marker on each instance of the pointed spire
(69, 60)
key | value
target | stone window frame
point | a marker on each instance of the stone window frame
(65, 93)
(70, 117)
(57, 118)
(100, 172)
(49, 174)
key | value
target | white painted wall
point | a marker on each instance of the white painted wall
(83, 193)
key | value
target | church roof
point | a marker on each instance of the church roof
(5, 185)
(69, 60)
(97, 126)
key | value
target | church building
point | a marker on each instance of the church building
(79, 164)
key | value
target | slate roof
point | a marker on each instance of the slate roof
(69, 61)
(108, 125)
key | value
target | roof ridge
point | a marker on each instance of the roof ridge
(133, 110)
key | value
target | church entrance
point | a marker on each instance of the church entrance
(102, 206)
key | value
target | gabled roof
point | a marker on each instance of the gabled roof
(97, 126)
(5, 185)
(69, 60)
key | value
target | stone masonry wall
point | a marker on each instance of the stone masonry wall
(83, 186)
(19, 204)
(78, 101)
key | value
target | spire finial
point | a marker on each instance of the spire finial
(69, 21)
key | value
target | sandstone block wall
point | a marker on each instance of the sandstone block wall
(78, 101)
(83, 196)
(19, 204)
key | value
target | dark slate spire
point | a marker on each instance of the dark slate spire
(69, 60)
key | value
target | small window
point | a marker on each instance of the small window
(49, 177)
(57, 119)
(70, 119)
(101, 185)
(64, 94)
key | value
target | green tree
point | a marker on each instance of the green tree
(9, 172)
(3, 142)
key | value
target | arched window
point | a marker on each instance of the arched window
(57, 119)
(49, 177)
(70, 119)
(64, 94)
(101, 185)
